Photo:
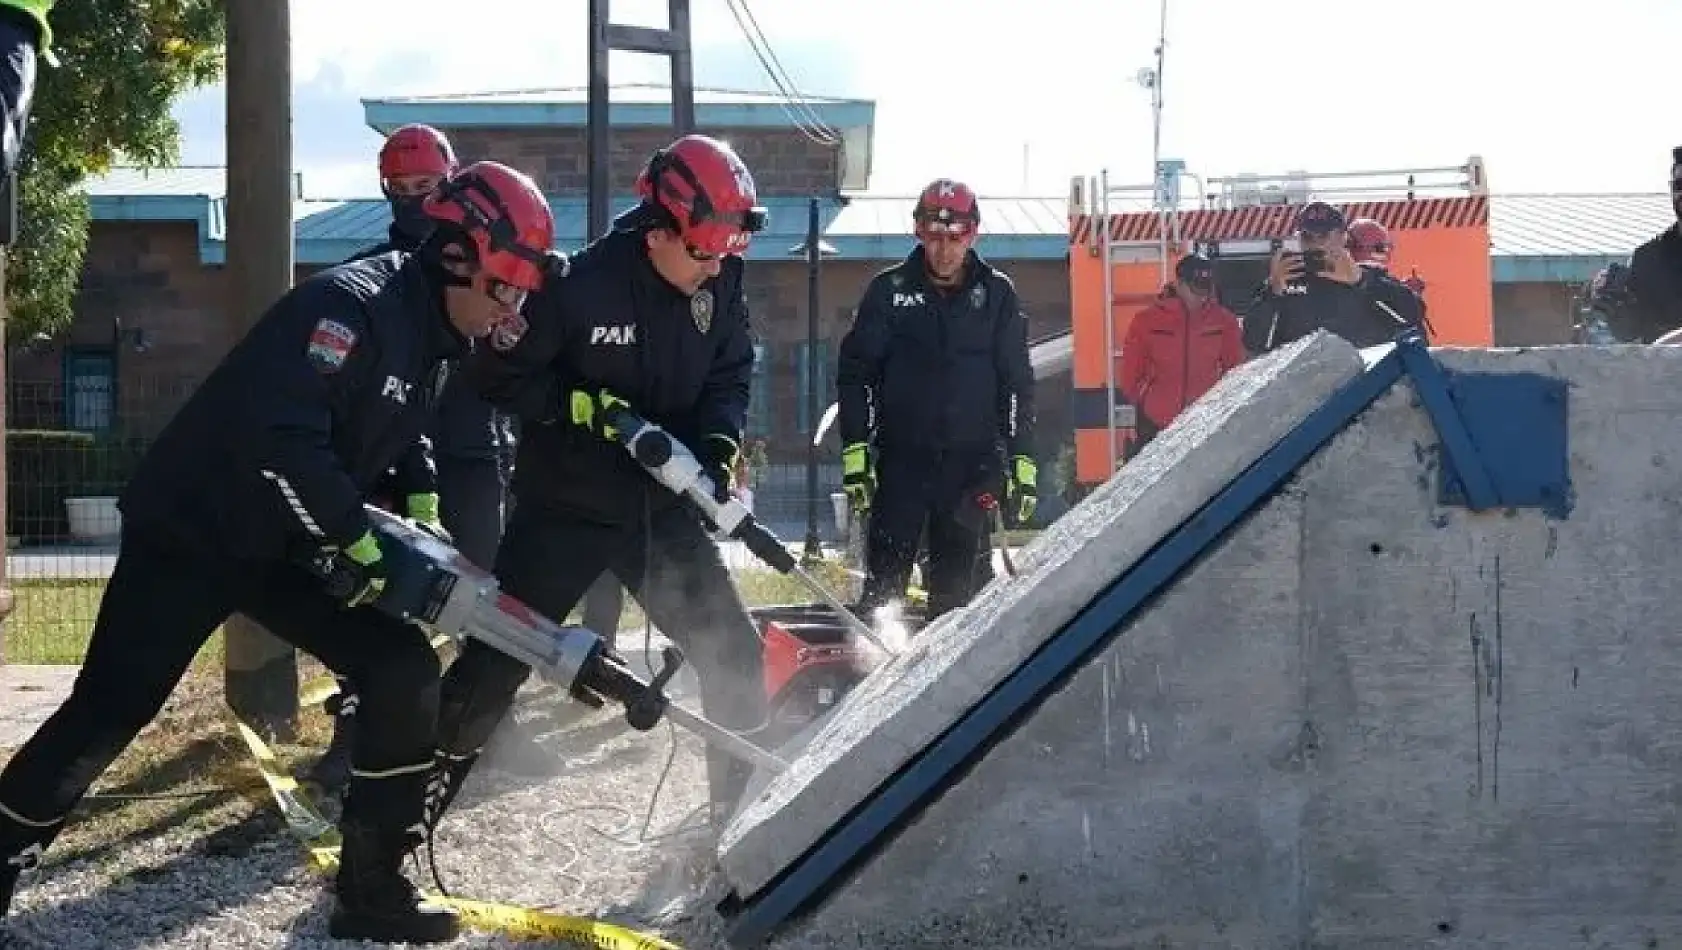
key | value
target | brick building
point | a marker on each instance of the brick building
(151, 319)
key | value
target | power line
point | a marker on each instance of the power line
(800, 98)
(818, 131)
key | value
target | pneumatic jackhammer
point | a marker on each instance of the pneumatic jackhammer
(429, 583)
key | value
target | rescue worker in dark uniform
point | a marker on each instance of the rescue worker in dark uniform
(1322, 287)
(1642, 301)
(264, 472)
(471, 441)
(24, 35)
(650, 318)
(933, 380)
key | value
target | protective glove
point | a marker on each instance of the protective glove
(364, 562)
(591, 410)
(718, 454)
(858, 475)
(1022, 493)
(423, 510)
(1610, 289)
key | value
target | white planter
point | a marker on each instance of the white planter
(94, 518)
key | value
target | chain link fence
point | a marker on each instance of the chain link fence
(70, 447)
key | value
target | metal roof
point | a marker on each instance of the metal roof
(631, 104)
(1533, 237)
(1576, 225)
(1536, 238)
(621, 92)
(875, 226)
(125, 181)
(891, 214)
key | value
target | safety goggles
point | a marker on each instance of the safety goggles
(719, 233)
(955, 228)
(506, 295)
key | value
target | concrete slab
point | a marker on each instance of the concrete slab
(953, 663)
(1365, 721)
(28, 695)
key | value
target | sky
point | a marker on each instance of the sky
(1017, 97)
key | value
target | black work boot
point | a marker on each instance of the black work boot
(12, 867)
(375, 902)
(20, 851)
(332, 770)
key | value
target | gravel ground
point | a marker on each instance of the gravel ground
(572, 843)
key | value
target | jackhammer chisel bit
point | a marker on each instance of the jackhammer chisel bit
(430, 584)
(671, 464)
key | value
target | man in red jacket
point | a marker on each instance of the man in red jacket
(1177, 349)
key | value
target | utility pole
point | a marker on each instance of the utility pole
(606, 37)
(814, 260)
(260, 672)
(8, 235)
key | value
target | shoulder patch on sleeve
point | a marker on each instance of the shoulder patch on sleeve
(330, 345)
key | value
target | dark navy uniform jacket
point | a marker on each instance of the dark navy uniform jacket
(1371, 312)
(301, 420)
(466, 427)
(928, 370)
(612, 322)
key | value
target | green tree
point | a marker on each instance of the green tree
(122, 64)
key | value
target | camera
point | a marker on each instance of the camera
(1313, 261)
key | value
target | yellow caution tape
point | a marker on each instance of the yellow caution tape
(526, 924)
(319, 690)
(303, 819)
(322, 842)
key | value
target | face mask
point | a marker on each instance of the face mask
(410, 219)
(1200, 286)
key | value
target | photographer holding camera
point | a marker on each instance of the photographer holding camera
(1314, 283)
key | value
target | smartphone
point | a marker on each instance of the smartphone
(1314, 262)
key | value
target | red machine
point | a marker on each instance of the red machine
(812, 661)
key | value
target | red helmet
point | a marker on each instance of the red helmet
(707, 193)
(416, 150)
(1369, 242)
(504, 215)
(946, 207)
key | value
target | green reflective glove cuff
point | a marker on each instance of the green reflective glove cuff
(581, 408)
(855, 459)
(366, 550)
(1025, 470)
(423, 507)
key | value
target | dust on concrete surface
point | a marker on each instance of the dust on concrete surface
(582, 842)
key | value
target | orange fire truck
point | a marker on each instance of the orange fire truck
(1438, 219)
